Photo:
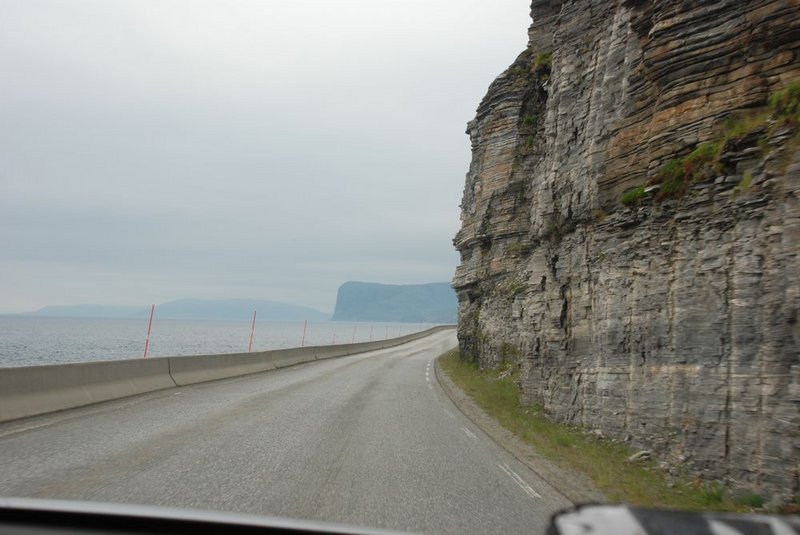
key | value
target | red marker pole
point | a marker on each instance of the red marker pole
(303, 341)
(354, 333)
(252, 332)
(149, 326)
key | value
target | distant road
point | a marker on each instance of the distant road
(367, 440)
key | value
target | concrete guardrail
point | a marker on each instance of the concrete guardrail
(202, 368)
(34, 390)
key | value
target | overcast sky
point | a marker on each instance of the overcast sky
(273, 149)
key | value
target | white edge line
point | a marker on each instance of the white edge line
(469, 433)
(519, 481)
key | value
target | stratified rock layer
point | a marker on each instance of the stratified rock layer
(672, 325)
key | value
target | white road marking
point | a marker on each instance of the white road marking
(29, 428)
(519, 481)
(59, 417)
(469, 433)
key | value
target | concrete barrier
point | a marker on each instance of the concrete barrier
(202, 368)
(34, 390)
(283, 358)
(341, 350)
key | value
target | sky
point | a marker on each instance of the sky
(160, 149)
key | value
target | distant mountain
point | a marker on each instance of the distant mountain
(235, 309)
(199, 309)
(424, 303)
(93, 311)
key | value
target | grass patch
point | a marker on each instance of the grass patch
(678, 174)
(511, 288)
(785, 104)
(604, 461)
(782, 110)
(739, 126)
(756, 501)
(543, 59)
(517, 71)
(633, 196)
(703, 162)
(743, 184)
(529, 120)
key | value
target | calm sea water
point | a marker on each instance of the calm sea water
(29, 341)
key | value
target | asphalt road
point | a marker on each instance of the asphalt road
(367, 440)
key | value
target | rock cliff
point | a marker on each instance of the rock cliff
(631, 229)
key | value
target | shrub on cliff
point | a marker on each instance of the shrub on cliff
(633, 196)
(544, 59)
(705, 162)
(785, 104)
(674, 176)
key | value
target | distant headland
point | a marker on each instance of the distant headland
(425, 303)
(355, 301)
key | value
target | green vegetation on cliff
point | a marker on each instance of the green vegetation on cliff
(706, 161)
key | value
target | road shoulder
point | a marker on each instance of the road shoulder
(575, 486)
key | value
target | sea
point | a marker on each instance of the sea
(34, 341)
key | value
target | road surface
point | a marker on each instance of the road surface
(368, 440)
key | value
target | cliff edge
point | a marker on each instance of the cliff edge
(631, 230)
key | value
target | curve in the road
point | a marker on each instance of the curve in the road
(367, 440)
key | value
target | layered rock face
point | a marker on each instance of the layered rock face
(671, 322)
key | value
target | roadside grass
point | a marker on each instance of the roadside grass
(604, 461)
